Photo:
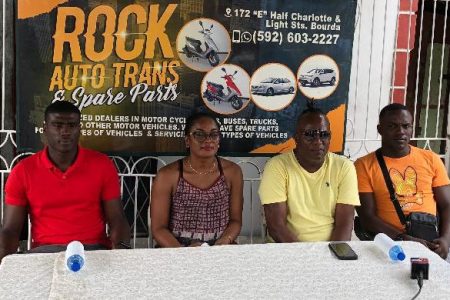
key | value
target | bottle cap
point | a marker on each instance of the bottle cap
(75, 266)
(401, 256)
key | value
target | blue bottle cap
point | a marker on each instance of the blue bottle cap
(401, 256)
(75, 263)
(76, 266)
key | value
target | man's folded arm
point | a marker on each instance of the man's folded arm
(118, 224)
(14, 219)
(370, 220)
(343, 222)
(442, 197)
(276, 219)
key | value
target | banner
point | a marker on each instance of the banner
(137, 69)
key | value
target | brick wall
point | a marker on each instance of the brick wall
(406, 30)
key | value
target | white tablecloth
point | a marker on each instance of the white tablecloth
(281, 271)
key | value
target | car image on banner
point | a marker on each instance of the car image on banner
(318, 76)
(275, 92)
(272, 85)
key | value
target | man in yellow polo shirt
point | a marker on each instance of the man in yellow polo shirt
(308, 193)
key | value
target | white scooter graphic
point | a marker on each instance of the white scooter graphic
(193, 47)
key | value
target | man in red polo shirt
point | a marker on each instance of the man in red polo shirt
(69, 192)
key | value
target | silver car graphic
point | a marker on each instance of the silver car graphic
(273, 85)
(318, 77)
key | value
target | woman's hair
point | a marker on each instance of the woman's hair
(190, 121)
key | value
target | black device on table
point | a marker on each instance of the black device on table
(343, 251)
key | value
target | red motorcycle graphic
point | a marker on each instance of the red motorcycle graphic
(215, 91)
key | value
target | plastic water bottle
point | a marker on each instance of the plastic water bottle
(388, 246)
(75, 256)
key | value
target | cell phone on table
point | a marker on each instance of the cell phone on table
(343, 251)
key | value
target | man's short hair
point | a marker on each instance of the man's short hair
(311, 109)
(64, 107)
(392, 107)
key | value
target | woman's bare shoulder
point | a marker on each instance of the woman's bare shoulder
(230, 166)
(169, 171)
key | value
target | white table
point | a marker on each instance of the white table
(270, 271)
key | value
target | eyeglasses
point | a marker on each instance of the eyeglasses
(312, 134)
(201, 136)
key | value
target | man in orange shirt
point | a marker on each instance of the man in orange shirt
(419, 177)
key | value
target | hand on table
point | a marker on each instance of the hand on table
(414, 239)
(225, 240)
(222, 241)
(122, 245)
(440, 247)
(195, 244)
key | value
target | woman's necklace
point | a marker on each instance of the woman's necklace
(213, 168)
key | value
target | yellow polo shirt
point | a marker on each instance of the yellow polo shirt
(311, 197)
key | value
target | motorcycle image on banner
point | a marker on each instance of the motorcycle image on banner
(202, 50)
(193, 47)
(215, 91)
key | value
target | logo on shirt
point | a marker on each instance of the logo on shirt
(405, 186)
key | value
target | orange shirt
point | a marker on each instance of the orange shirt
(414, 177)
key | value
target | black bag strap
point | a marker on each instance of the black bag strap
(390, 186)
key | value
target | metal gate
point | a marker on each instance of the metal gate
(401, 54)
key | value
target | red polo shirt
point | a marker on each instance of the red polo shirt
(64, 206)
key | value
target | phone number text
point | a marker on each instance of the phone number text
(292, 37)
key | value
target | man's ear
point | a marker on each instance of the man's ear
(44, 126)
(379, 129)
(296, 137)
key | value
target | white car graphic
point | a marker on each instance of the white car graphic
(271, 86)
(317, 77)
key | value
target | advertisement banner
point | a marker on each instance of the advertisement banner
(138, 69)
